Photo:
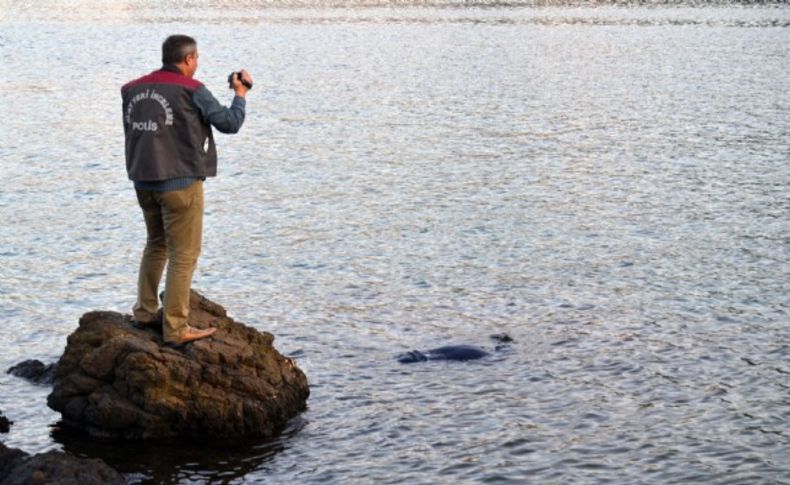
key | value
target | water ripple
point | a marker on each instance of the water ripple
(607, 185)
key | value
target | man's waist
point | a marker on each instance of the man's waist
(169, 185)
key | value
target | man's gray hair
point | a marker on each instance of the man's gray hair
(176, 47)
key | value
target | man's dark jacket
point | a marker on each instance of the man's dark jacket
(167, 120)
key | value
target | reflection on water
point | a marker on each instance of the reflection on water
(180, 462)
(607, 185)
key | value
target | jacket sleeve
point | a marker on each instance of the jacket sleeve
(226, 120)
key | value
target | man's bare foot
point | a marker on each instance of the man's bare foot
(190, 335)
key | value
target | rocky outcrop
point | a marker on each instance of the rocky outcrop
(34, 371)
(118, 381)
(18, 468)
(5, 424)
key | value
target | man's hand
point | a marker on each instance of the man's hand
(238, 87)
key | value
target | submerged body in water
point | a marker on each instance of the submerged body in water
(450, 352)
(454, 352)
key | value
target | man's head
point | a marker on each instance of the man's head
(181, 51)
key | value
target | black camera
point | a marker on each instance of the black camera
(237, 75)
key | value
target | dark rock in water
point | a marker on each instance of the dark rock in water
(5, 424)
(9, 458)
(18, 468)
(118, 381)
(34, 371)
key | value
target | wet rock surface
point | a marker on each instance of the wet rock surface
(34, 371)
(117, 381)
(5, 424)
(17, 468)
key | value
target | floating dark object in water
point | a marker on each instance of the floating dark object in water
(449, 352)
(454, 352)
(502, 338)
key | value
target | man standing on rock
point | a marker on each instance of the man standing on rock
(167, 119)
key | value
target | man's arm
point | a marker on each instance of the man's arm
(226, 120)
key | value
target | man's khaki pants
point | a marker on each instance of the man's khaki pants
(174, 221)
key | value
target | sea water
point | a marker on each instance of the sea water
(608, 185)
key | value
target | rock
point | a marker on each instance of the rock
(117, 381)
(34, 371)
(5, 424)
(17, 468)
(9, 458)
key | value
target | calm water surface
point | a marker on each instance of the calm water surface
(610, 186)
